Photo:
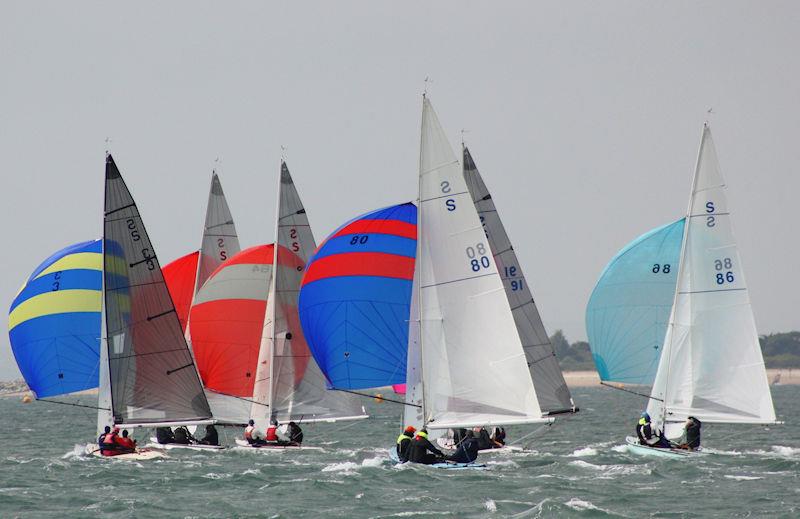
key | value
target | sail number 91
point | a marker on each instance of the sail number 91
(477, 257)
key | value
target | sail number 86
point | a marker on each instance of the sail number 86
(477, 257)
(723, 277)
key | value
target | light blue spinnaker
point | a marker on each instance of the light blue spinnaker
(628, 311)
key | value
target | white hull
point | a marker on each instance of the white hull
(643, 450)
(139, 455)
(272, 447)
(192, 446)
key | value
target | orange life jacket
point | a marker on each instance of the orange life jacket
(272, 434)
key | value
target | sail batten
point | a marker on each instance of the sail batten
(145, 356)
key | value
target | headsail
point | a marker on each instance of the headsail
(548, 381)
(54, 322)
(151, 372)
(473, 365)
(287, 378)
(354, 303)
(628, 311)
(711, 366)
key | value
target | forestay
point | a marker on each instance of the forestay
(473, 366)
(629, 308)
(54, 322)
(711, 366)
(548, 381)
(150, 369)
(287, 378)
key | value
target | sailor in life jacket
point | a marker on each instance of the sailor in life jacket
(648, 433)
(251, 435)
(404, 443)
(109, 443)
(272, 431)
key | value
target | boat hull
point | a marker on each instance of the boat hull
(635, 447)
(142, 454)
(192, 446)
(448, 465)
(270, 447)
(445, 443)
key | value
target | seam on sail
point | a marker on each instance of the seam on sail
(440, 166)
(457, 280)
(449, 195)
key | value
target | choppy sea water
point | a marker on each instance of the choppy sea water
(576, 468)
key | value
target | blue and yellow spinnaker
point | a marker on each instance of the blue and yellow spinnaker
(54, 322)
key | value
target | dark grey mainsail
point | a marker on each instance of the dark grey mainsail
(151, 371)
(548, 381)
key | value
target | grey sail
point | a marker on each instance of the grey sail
(548, 381)
(151, 371)
(288, 379)
(220, 240)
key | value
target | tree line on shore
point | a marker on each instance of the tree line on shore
(781, 350)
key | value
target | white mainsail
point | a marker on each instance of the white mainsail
(289, 385)
(472, 361)
(711, 366)
(548, 381)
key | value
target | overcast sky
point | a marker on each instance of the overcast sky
(584, 119)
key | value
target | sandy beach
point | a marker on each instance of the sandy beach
(790, 376)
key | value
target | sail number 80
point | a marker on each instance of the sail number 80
(477, 257)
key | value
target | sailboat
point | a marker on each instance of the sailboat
(548, 381)
(710, 364)
(466, 362)
(147, 374)
(289, 386)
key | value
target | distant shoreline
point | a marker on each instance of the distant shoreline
(785, 377)
(587, 378)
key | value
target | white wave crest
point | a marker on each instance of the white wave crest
(490, 505)
(743, 478)
(586, 451)
(580, 504)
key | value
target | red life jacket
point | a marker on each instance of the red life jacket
(126, 443)
(272, 433)
(109, 439)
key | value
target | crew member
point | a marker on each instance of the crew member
(164, 435)
(211, 437)
(649, 434)
(690, 440)
(251, 435)
(100, 442)
(110, 446)
(183, 436)
(295, 433)
(404, 443)
(420, 445)
(467, 450)
(125, 445)
(484, 440)
(499, 435)
(272, 431)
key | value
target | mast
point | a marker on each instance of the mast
(681, 262)
(104, 404)
(269, 320)
(417, 277)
